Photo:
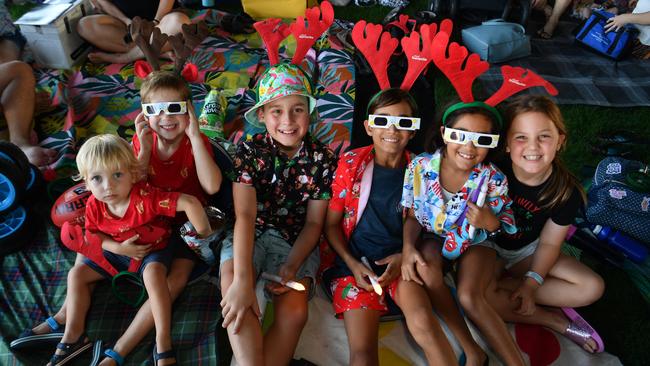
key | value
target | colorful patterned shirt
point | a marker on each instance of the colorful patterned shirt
(423, 193)
(283, 184)
(146, 216)
(350, 192)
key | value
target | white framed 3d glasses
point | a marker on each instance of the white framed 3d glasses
(401, 123)
(154, 109)
(462, 137)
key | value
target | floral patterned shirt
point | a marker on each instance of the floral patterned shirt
(284, 184)
(423, 193)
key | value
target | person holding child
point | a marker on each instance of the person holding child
(167, 140)
(546, 199)
(124, 211)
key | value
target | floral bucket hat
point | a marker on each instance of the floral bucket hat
(283, 78)
(280, 81)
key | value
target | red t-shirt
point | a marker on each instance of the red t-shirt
(146, 215)
(178, 173)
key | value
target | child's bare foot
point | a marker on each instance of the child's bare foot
(37, 155)
(116, 58)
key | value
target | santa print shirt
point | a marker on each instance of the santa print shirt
(283, 184)
(529, 217)
(178, 173)
(148, 215)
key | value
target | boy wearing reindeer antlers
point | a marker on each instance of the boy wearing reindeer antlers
(281, 191)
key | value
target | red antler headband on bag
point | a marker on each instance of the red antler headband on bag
(449, 58)
(281, 78)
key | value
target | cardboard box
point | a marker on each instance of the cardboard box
(51, 32)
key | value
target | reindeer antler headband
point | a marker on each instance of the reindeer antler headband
(515, 79)
(151, 40)
(284, 79)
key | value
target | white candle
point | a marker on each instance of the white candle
(291, 284)
(373, 278)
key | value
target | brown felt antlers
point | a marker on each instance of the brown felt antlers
(151, 41)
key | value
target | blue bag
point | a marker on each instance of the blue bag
(613, 202)
(611, 44)
(497, 40)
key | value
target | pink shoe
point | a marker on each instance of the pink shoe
(579, 331)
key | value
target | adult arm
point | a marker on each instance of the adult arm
(107, 7)
(164, 7)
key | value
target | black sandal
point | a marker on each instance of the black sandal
(70, 350)
(163, 355)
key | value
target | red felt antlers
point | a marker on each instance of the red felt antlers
(305, 30)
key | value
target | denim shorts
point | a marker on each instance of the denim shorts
(270, 252)
(511, 257)
(121, 262)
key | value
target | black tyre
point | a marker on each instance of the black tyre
(15, 230)
(12, 185)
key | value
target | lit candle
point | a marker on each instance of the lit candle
(373, 278)
(291, 284)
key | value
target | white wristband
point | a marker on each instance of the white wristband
(535, 276)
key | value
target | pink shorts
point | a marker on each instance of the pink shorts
(347, 296)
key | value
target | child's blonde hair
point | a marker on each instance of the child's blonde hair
(158, 80)
(106, 151)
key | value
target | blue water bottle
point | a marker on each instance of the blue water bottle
(634, 250)
(207, 3)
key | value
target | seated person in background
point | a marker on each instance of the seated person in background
(553, 13)
(17, 96)
(584, 8)
(109, 30)
(640, 17)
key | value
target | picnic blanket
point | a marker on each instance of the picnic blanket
(581, 76)
(324, 342)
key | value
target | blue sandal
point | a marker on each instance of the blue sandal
(29, 339)
(70, 351)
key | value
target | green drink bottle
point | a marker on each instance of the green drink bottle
(213, 114)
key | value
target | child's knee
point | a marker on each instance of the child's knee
(593, 288)
(470, 299)
(293, 317)
(421, 322)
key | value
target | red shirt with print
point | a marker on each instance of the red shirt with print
(148, 215)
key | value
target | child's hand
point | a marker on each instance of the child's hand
(287, 272)
(360, 272)
(616, 23)
(192, 129)
(239, 299)
(132, 250)
(410, 259)
(526, 293)
(143, 130)
(482, 217)
(392, 270)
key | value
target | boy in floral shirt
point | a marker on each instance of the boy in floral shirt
(281, 191)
